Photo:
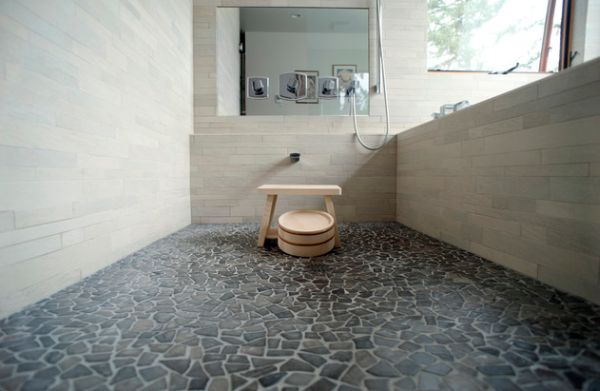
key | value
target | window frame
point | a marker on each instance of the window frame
(566, 36)
(565, 51)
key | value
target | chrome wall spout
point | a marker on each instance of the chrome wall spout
(449, 108)
(461, 105)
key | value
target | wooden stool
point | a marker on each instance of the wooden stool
(272, 191)
(306, 233)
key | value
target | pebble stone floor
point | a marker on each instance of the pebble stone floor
(204, 308)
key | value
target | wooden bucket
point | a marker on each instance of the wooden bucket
(306, 233)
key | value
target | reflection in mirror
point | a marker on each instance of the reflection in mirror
(315, 42)
(292, 86)
(257, 87)
(328, 87)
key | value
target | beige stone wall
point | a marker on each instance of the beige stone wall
(414, 95)
(514, 179)
(592, 33)
(414, 92)
(228, 63)
(226, 170)
(95, 117)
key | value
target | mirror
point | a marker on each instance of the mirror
(314, 59)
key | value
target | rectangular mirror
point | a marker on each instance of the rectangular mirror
(277, 41)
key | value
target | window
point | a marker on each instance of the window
(494, 35)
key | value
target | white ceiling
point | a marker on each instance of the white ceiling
(317, 20)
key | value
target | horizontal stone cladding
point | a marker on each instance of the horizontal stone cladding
(95, 117)
(514, 179)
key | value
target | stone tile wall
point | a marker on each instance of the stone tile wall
(414, 92)
(515, 179)
(228, 64)
(226, 169)
(95, 117)
(254, 148)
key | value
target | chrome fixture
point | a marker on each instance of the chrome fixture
(292, 86)
(257, 87)
(450, 108)
(351, 90)
(461, 105)
(328, 87)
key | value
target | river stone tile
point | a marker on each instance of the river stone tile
(409, 346)
(204, 308)
(151, 373)
(354, 375)
(407, 367)
(160, 385)
(88, 383)
(363, 343)
(51, 372)
(496, 370)
(428, 381)
(383, 369)
(177, 382)
(322, 385)
(439, 368)
(422, 358)
(300, 379)
(365, 358)
(178, 365)
(344, 356)
(75, 372)
(214, 369)
(377, 384)
(124, 374)
(37, 384)
(102, 369)
(312, 359)
(333, 370)
(296, 365)
(53, 357)
(271, 379)
(256, 373)
(501, 384)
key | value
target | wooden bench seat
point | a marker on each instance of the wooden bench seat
(300, 189)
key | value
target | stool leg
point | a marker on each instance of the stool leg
(331, 211)
(265, 223)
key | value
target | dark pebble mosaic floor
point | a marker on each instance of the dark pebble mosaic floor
(204, 308)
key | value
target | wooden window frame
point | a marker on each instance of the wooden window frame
(566, 39)
(566, 35)
(547, 36)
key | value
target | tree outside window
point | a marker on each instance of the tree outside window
(492, 35)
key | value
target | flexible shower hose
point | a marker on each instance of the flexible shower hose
(384, 88)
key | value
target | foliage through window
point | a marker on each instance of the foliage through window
(493, 35)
